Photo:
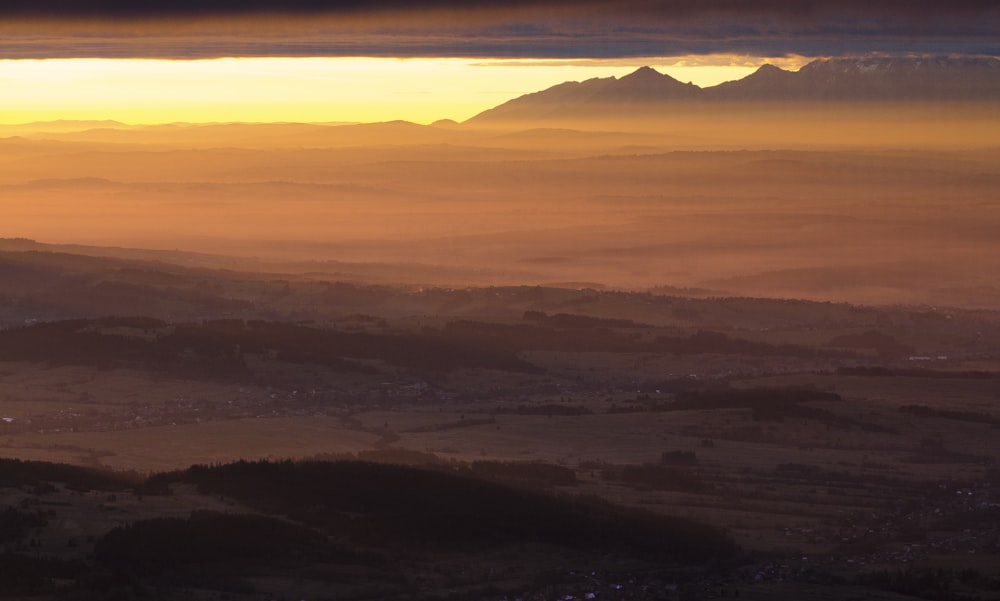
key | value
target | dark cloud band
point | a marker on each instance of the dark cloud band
(130, 9)
(665, 9)
(660, 9)
(484, 28)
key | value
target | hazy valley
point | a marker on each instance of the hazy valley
(747, 347)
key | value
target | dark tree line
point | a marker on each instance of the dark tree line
(572, 333)
(215, 349)
(376, 504)
(17, 473)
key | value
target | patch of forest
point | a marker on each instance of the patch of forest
(573, 333)
(571, 320)
(876, 371)
(880, 343)
(765, 402)
(216, 349)
(953, 414)
(26, 576)
(529, 474)
(211, 549)
(340, 523)
(16, 473)
(380, 504)
(55, 285)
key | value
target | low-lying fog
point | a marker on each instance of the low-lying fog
(867, 206)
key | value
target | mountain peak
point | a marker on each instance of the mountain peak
(648, 76)
(769, 68)
(644, 72)
(646, 81)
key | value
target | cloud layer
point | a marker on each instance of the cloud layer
(491, 28)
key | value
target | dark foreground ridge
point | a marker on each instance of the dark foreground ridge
(371, 528)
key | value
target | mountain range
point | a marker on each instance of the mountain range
(821, 81)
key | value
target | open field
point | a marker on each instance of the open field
(774, 480)
(851, 484)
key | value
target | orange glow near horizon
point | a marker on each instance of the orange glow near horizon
(145, 91)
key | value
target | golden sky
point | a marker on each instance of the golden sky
(331, 89)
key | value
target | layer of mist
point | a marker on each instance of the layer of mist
(863, 205)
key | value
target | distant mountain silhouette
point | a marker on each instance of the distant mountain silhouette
(644, 85)
(939, 78)
(768, 82)
(646, 91)
(58, 126)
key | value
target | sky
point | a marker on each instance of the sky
(292, 89)
(353, 60)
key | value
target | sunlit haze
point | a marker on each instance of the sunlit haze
(493, 299)
(303, 89)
